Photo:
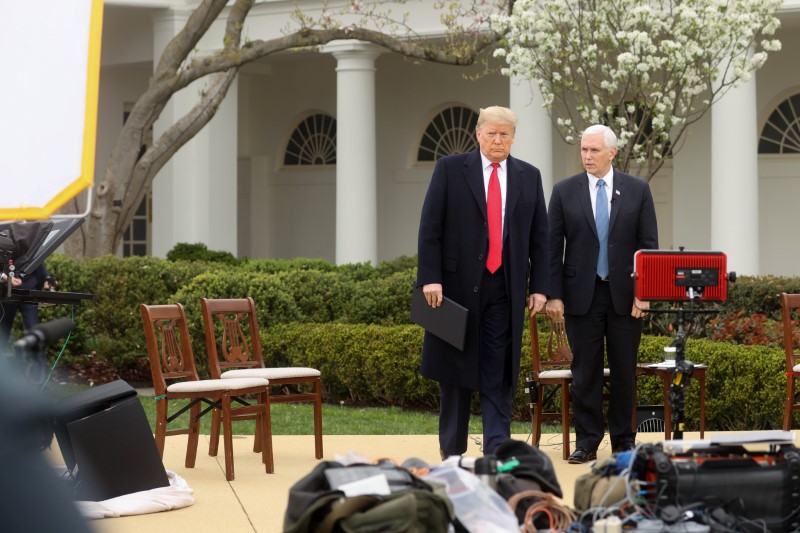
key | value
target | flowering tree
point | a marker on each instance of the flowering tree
(647, 68)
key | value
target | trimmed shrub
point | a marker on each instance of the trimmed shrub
(320, 296)
(385, 301)
(273, 266)
(200, 252)
(109, 327)
(273, 304)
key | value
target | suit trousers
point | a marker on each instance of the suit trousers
(496, 392)
(600, 331)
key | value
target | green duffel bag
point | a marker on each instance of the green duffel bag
(413, 506)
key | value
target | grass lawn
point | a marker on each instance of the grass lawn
(298, 419)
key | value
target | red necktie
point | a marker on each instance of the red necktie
(494, 213)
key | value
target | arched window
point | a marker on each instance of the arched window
(450, 132)
(313, 142)
(781, 133)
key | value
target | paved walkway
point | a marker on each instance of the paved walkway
(256, 501)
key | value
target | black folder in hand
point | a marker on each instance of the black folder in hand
(448, 321)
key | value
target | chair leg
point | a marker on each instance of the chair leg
(318, 420)
(565, 401)
(213, 442)
(536, 430)
(161, 425)
(266, 435)
(194, 434)
(227, 436)
(789, 404)
(258, 441)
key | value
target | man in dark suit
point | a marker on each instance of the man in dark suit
(592, 243)
(483, 243)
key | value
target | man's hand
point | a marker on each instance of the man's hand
(536, 302)
(433, 294)
(555, 309)
(639, 308)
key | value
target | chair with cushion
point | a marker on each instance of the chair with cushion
(552, 378)
(790, 303)
(233, 343)
(175, 378)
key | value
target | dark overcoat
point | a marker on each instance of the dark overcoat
(453, 243)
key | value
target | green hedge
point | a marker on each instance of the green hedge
(379, 365)
(745, 385)
(108, 328)
(352, 322)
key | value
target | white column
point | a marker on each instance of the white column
(356, 166)
(194, 195)
(533, 141)
(734, 179)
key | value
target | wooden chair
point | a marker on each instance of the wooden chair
(789, 304)
(175, 378)
(237, 353)
(552, 375)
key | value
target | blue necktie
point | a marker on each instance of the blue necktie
(601, 220)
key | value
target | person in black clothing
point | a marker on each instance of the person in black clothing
(39, 279)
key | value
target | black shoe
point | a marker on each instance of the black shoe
(582, 455)
(624, 446)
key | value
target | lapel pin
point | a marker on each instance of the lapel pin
(617, 192)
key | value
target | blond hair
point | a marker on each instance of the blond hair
(497, 115)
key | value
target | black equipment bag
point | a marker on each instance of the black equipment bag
(414, 506)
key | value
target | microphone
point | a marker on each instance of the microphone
(613, 199)
(43, 335)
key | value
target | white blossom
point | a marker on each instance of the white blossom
(662, 61)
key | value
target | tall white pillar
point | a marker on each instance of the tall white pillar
(356, 166)
(533, 141)
(194, 195)
(734, 179)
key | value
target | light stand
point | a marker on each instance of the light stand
(683, 369)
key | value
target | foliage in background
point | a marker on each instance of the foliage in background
(648, 69)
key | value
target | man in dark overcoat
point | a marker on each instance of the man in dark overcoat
(483, 242)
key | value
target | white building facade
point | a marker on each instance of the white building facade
(329, 154)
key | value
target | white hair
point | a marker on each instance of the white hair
(609, 137)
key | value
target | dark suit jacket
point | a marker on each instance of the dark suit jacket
(453, 242)
(573, 237)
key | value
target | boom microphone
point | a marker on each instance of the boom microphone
(43, 335)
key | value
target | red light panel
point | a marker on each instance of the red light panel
(662, 275)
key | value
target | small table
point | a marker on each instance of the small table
(665, 373)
